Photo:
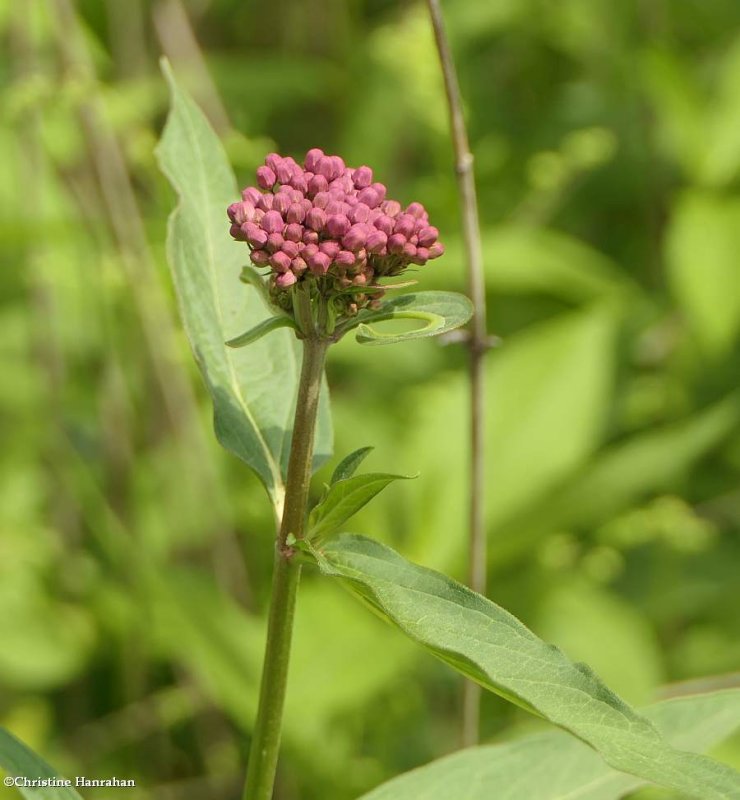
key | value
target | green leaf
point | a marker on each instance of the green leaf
(555, 766)
(702, 248)
(265, 327)
(347, 467)
(20, 761)
(254, 388)
(490, 646)
(345, 498)
(440, 311)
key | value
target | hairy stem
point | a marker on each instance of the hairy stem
(263, 755)
(477, 343)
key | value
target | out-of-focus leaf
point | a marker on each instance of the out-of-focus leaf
(489, 645)
(702, 248)
(343, 500)
(553, 766)
(253, 388)
(439, 311)
(20, 761)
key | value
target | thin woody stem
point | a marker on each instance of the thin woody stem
(265, 747)
(477, 343)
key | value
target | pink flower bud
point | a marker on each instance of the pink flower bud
(298, 265)
(295, 213)
(359, 213)
(274, 242)
(369, 197)
(290, 248)
(376, 242)
(266, 177)
(355, 237)
(317, 184)
(416, 210)
(428, 236)
(310, 237)
(325, 167)
(345, 258)
(254, 234)
(338, 167)
(259, 257)
(265, 202)
(337, 225)
(384, 223)
(281, 203)
(284, 173)
(329, 248)
(312, 159)
(273, 161)
(436, 250)
(318, 263)
(422, 255)
(251, 195)
(294, 232)
(396, 243)
(391, 208)
(405, 225)
(236, 231)
(299, 183)
(321, 200)
(409, 250)
(310, 250)
(285, 280)
(272, 222)
(316, 219)
(380, 190)
(359, 280)
(240, 212)
(280, 261)
(333, 207)
(362, 177)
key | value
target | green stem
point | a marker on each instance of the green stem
(263, 755)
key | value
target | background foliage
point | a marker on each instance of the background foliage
(135, 553)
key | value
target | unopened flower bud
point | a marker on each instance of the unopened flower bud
(298, 265)
(338, 167)
(317, 184)
(359, 213)
(294, 232)
(329, 248)
(396, 243)
(240, 212)
(259, 257)
(409, 250)
(310, 250)
(422, 255)
(236, 231)
(251, 195)
(380, 190)
(272, 222)
(369, 197)
(274, 242)
(362, 177)
(281, 203)
(436, 250)
(318, 263)
(321, 200)
(273, 161)
(295, 213)
(337, 225)
(391, 208)
(266, 177)
(312, 158)
(416, 210)
(355, 237)
(285, 280)
(325, 167)
(345, 258)
(405, 225)
(254, 234)
(265, 202)
(300, 183)
(316, 219)
(280, 261)
(284, 173)
(376, 242)
(290, 248)
(359, 280)
(384, 223)
(310, 237)
(428, 236)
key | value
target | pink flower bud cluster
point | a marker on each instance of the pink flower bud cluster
(327, 220)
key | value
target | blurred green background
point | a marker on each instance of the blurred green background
(135, 554)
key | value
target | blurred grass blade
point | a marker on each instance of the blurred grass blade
(554, 766)
(347, 467)
(20, 761)
(489, 645)
(344, 499)
(254, 388)
(439, 311)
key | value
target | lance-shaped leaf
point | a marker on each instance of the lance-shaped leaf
(347, 467)
(489, 645)
(438, 312)
(345, 498)
(555, 766)
(20, 761)
(254, 387)
(266, 326)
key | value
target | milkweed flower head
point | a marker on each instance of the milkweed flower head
(332, 226)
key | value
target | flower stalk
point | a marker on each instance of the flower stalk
(265, 746)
